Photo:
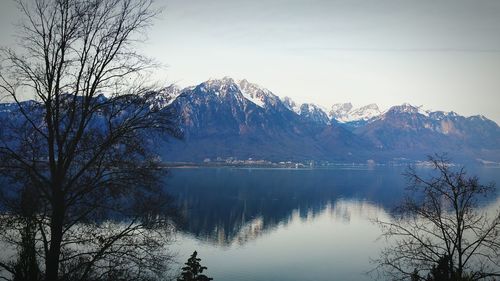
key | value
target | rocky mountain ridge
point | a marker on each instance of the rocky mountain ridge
(228, 118)
(224, 118)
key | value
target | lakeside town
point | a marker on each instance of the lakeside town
(309, 164)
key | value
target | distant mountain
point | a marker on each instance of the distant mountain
(314, 113)
(224, 118)
(354, 117)
(340, 111)
(364, 113)
(291, 105)
(408, 130)
(166, 96)
(308, 111)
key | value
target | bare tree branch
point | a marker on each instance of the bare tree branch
(441, 223)
(81, 144)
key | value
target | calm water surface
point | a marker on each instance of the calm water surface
(277, 224)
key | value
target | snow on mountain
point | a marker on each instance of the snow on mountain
(256, 94)
(241, 91)
(340, 112)
(403, 108)
(227, 118)
(345, 112)
(440, 115)
(314, 113)
(219, 87)
(408, 108)
(291, 105)
(364, 113)
(424, 111)
(244, 92)
(165, 96)
(309, 111)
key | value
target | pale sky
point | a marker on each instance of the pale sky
(442, 54)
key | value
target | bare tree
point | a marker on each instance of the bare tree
(440, 228)
(80, 146)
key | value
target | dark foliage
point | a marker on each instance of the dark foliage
(193, 271)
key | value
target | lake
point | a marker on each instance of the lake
(288, 224)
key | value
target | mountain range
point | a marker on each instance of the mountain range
(224, 118)
(227, 119)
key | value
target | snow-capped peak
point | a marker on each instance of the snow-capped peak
(216, 85)
(165, 96)
(291, 105)
(314, 112)
(243, 89)
(223, 80)
(256, 94)
(345, 112)
(314, 107)
(408, 108)
(219, 86)
(440, 115)
(365, 113)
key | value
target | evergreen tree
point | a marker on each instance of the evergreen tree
(193, 270)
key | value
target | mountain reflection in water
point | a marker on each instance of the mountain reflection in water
(332, 244)
(226, 206)
(265, 224)
(342, 211)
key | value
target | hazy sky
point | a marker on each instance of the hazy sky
(441, 54)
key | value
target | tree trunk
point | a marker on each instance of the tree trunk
(56, 226)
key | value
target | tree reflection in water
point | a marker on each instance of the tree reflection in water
(274, 224)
